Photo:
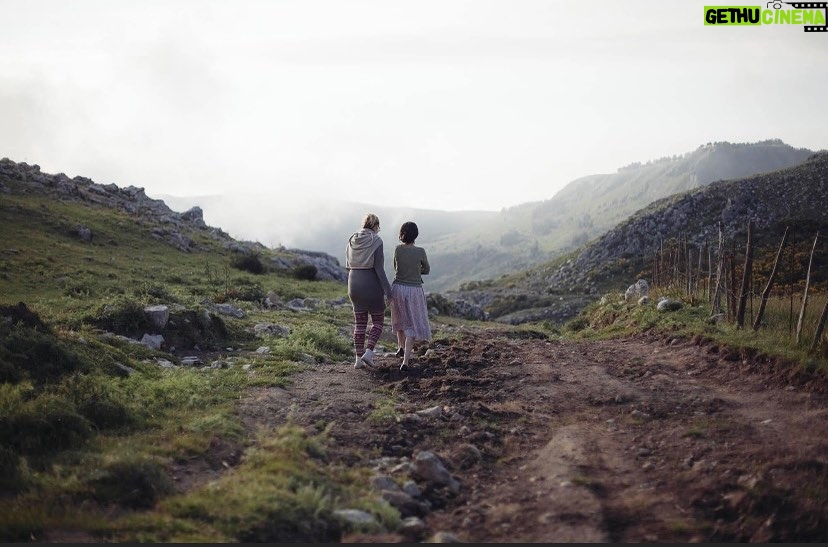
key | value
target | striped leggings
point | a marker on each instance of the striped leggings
(361, 326)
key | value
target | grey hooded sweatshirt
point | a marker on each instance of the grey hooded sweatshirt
(360, 252)
(359, 255)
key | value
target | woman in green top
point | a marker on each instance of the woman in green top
(409, 312)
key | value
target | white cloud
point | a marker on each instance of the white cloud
(436, 104)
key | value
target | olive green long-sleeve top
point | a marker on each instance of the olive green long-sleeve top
(410, 264)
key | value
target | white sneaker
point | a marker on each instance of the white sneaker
(359, 363)
(368, 357)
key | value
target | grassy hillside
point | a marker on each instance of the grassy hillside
(795, 197)
(533, 233)
(93, 422)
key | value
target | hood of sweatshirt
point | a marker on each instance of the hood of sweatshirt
(360, 250)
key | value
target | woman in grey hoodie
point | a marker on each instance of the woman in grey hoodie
(368, 287)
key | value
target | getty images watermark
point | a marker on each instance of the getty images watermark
(811, 15)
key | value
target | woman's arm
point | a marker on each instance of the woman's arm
(379, 267)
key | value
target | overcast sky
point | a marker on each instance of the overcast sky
(444, 104)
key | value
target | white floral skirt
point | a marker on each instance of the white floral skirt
(409, 312)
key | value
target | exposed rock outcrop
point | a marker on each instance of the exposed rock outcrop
(173, 228)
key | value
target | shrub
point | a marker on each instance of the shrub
(96, 399)
(155, 291)
(248, 291)
(20, 314)
(306, 272)
(11, 477)
(79, 290)
(135, 483)
(249, 263)
(9, 374)
(44, 426)
(440, 303)
(106, 413)
(40, 357)
(124, 316)
(577, 324)
(188, 329)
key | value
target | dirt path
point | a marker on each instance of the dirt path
(636, 440)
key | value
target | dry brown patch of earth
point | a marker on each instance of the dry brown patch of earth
(644, 439)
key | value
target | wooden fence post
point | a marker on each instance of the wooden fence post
(766, 292)
(746, 273)
(709, 272)
(790, 282)
(697, 287)
(689, 254)
(818, 336)
(656, 268)
(717, 293)
(731, 288)
(675, 255)
(805, 296)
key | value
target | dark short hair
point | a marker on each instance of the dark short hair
(409, 232)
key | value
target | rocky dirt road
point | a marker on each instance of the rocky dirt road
(648, 439)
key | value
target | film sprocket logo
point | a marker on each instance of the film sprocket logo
(811, 15)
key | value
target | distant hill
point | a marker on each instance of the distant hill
(466, 246)
(321, 224)
(528, 234)
(558, 289)
(527, 286)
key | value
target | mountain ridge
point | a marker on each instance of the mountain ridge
(589, 206)
(560, 288)
(512, 254)
(478, 245)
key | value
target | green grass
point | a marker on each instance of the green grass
(93, 426)
(284, 491)
(384, 412)
(612, 317)
(89, 419)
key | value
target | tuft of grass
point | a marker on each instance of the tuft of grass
(284, 491)
(384, 412)
(311, 337)
(320, 339)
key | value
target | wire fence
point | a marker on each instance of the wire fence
(785, 293)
